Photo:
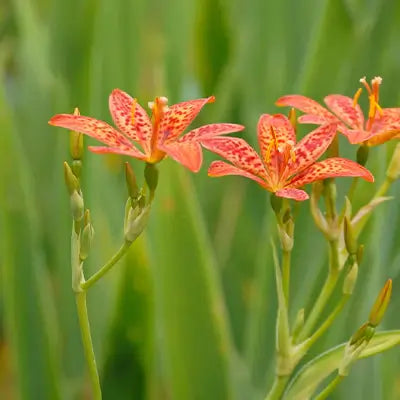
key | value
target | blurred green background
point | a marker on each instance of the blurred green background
(190, 313)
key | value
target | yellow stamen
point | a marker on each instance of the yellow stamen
(372, 106)
(292, 155)
(268, 152)
(133, 111)
(356, 97)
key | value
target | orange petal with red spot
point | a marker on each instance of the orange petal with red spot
(306, 105)
(94, 128)
(238, 152)
(274, 131)
(179, 116)
(211, 130)
(135, 153)
(312, 146)
(188, 154)
(331, 168)
(134, 123)
(221, 168)
(292, 193)
(380, 138)
(344, 108)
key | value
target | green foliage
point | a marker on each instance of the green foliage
(190, 313)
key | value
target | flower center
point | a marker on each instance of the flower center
(373, 97)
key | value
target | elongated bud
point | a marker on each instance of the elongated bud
(362, 154)
(349, 237)
(393, 171)
(70, 179)
(363, 334)
(293, 118)
(350, 280)
(276, 203)
(136, 221)
(381, 303)
(131, 183)
(286, 240)
(76, 142)
(151, 177)
(298, 323)
(86, 237)
(77, 206)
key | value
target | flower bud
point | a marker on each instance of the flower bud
(77, 206)
(131, 183)
(70, 179)
(76, 142)
(350, 280)
(151, 177)
(136, 221)
(349, 237)
(362, 154)
(381, 303)
(286, 240)
(393, 171)
(276, 203)
(86, 237)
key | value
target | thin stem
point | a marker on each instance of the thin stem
(330, 388)
(383, 188)
(352, 190)
(87, 343)
(106, 267)
(326, 291)
(286, 257)
(278, 388)
(328, 322)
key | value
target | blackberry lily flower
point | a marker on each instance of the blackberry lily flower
(158, 137)
(381, 125)
(284, 165)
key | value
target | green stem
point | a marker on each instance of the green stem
(106, 267)
(352, 190)
(286, 257)
(87, 343)
(278, 388)
(330, 388)
(326, 291)
(383, 188)
(328, 322)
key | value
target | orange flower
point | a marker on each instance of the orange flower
(158, 137)
(381, 125)
(284, 166)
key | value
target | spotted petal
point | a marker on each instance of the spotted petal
(135, 153)
(211, 130)
(221, 168)
(292, 193)
(94, 128)
(344, 108)
(136, 125)
(188, 153)
(274, 131)
(238, 152)
(306, 105)
(179, 116)
(312, 146)
(380, 138)
(331, 168)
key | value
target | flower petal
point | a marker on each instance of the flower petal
(306, 105)
(273, 132)
(95, 128)
(312, 146)
(292, 193)
(207, 131)
(383, 137)
(135, 153)
(238, 152)
(188, 154)
(331, 168)
(343, 107)
(356, 136)
(221, 168)
(179, 116)
(138, 128)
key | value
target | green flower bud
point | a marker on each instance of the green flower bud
(136, 221)
(362, 154)
(151, 177)
(276, 203)
(77, 206)
(70, 179)
(131, 183)
(349, 237)
(76, 142)
(381, 303)
(86, 237)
